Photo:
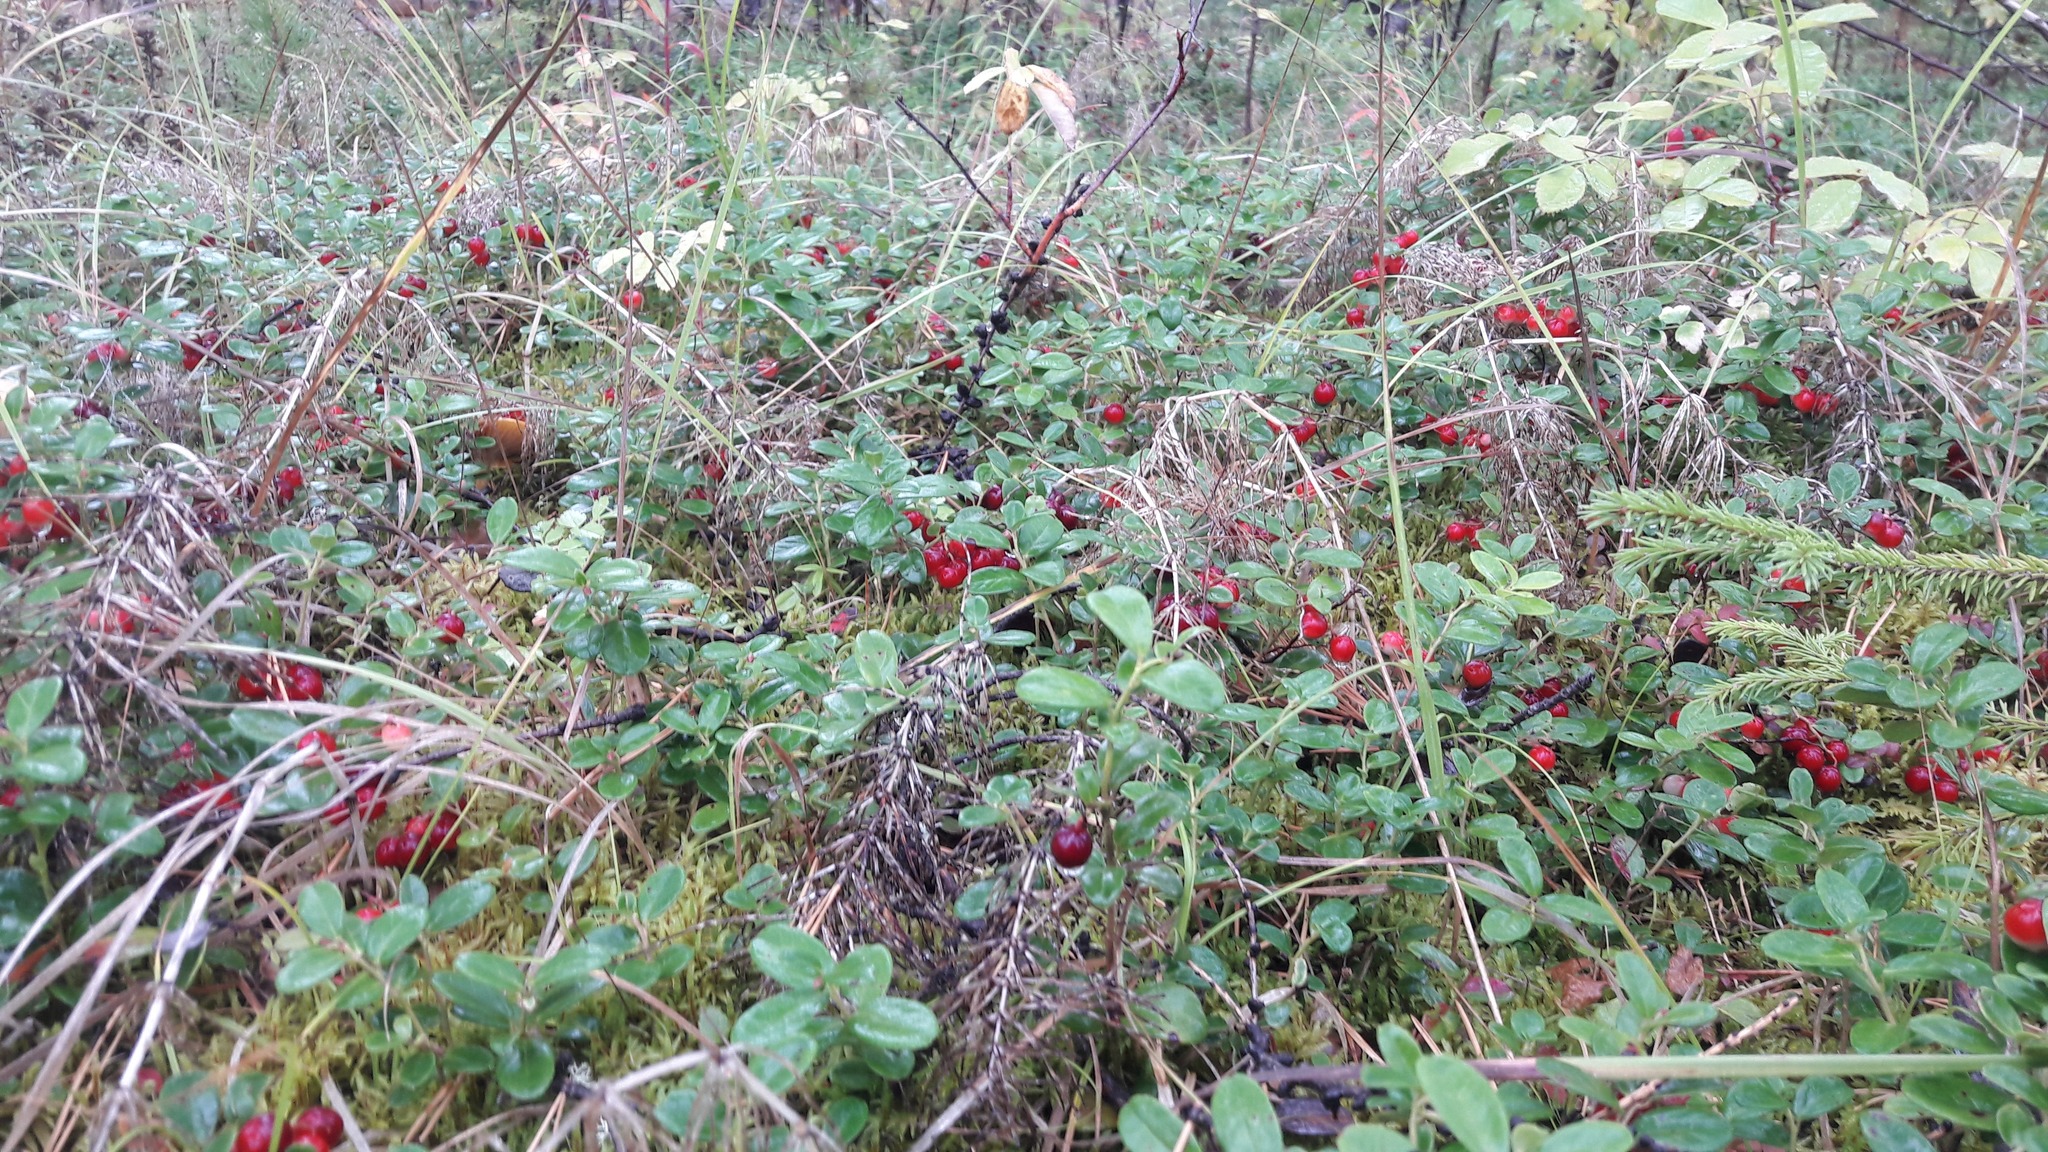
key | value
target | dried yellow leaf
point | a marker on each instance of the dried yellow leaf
(1013, 105)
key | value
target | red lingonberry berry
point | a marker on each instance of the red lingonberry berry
(1072, 845)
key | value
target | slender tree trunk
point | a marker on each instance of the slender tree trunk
(1486, 72)
(1251, 62)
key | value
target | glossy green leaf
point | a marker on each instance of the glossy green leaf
(1243, 1117)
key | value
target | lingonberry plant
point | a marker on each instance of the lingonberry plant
(779, 591)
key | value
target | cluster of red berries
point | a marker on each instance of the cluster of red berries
(290, 479)
(1807, 401)
(530, 234)
(201, 347)
(1463, 532)
(1181, 611)
(949, 561)
(422, 839)
(1928, 776)
(954, 361)
(1383, 267)
(369, 800)
(317, 1128)
(379, 203)
(37, 517)
(479, 251)
(1674, 140)
(1069, 517)
(282, 682)
(1562, 324)
(1545, 691)
(412, 285)
(119, 620)
(184, 790)
(1823, 758)
(106, 352)
(1885, 531)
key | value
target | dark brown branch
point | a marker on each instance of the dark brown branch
(1546, 703)
(946, 146)
(1929, 62)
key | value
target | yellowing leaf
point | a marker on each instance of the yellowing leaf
(1990, 278)
(1830, 207)
(1683, 214)
(1833, 14)
(1013, 106)
(1947, 248)
(1734, 192)
(1560, 188)
(1702, 12)
(983, 77)
(1469, 155)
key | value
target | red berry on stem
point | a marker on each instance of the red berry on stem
(1753, 728)
(1828, 779)
(1325, 393)
(1072, 845)
(1393, 644)
(322, 741)
(1805, 400)
(631, 299)
(1811, 757)
(1304, 431)
(1343, 648)
(1885, 531)
(38, 513)
(304, 683)
(1355, 316)
(992, 499)
(952, 574)
(1314, 625)
(1113, 414)
(1947, 791)
(250, 688)
(255, 1133)
(2023, 923)
(1543, 756)
(451, 627)
(1477, 673)
(1919, 780)
(319, 1121)
(1407, 239)
(1457, 532)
